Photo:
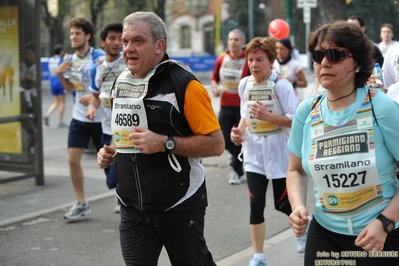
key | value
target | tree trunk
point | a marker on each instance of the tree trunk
(159, 9)
(56, 34)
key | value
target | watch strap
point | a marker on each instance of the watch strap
(388, 224)
(169, 141)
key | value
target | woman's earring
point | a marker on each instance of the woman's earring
(357, 71)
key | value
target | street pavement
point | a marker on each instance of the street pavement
(33, 231)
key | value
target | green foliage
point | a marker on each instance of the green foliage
(375, 13)
(100, 12)
(238, 10)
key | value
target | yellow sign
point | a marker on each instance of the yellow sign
(123, 143)
(344, 202)
(263, 127)
(10, 105)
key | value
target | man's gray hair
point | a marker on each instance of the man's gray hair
(156, 24)
(242, 34)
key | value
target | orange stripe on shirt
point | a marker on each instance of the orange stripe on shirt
(198, 109)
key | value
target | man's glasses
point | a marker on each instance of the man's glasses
(333, 55)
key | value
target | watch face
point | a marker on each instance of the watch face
(390, 227)
(170, 144)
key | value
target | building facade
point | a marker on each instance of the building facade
(191, 26)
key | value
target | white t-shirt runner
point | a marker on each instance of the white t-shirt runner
(80, 76)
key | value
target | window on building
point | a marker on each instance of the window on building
(185, 37)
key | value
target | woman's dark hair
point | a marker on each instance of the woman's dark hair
(287, 43)
(349, 36)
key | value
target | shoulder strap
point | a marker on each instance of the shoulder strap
(371, 96)
(317, 98)
(275, 86)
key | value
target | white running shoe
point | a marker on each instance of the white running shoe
(235, 179)
(301, 243)
(77, 211)
(257, 262)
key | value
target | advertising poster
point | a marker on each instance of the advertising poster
(10, 133)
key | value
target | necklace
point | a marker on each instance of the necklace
(342, 96)
(81, 57)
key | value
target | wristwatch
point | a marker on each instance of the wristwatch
(169, 144)
(388, 225)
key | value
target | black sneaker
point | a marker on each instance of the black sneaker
(46, 120)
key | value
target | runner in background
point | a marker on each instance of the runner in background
(75, 76)
(56, 88)
(288, 67)
(105, 74)
(227, 73)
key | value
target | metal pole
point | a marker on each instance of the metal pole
(217, 26)
(310, 61)
(39, 157)
(250, 19)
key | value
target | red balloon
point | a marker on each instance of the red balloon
(279, 29)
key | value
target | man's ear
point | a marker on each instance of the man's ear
(160, 45)
(102, 43)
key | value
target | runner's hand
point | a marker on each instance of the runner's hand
(106, 156)
(298, 220)
(372, 238)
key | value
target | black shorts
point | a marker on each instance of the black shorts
(81, 132)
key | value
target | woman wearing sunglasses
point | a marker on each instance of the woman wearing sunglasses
(346, 138)
(268, 104)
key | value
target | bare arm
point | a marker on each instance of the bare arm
(208, 145)
(92, 106)
(237, 133)
(215, 88)
(66, 84)
(302, 83)
(373, 236)
(296, 189)
(296, 184)
(392, 210)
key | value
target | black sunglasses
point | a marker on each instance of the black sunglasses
(333, 55)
